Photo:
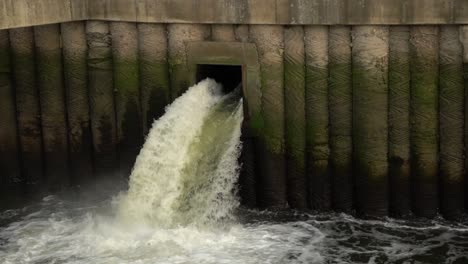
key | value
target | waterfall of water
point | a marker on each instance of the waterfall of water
(187, 169)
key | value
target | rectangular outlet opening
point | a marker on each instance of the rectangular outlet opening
(230, 76)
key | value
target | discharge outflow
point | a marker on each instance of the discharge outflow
(187, 170)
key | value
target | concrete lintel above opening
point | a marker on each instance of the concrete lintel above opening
(237, 54)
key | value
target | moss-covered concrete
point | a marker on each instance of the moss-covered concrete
(399, 121)
(270, 46)
(10, 180)
(424, 55)
(463, 35)
(451, 130)
(101, 93)
(77, 101)
(370, 126)
(28, 111)
(317, 124)
(340, 111)
(52, 99)
(127, 93)
(154, 72)
(295, 117)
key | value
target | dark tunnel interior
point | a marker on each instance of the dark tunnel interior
(228, 75)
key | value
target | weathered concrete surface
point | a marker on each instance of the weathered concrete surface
(464, 41)
(270, 46)
(155, 90)
(52, 100)
(451, 114)
(101, 92)
(10, 174)
(178, 37)
(341, 117)
(75, 74)
(20, 13)
(370, 126)
(317, 132)
(127, 93)
(28, 110)
(295, 117)
(223, 33)
(399, 121)
(424, 56)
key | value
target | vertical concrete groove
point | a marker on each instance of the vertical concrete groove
(10, 174)
(101, 92)
(249, 176)
(295, 117)
(451, 129)
(424, 52)
(270, 46)
(399, 121)
(451, 115)
(52, 100)
(28, 112)
(317, 117)
(340, 111)
(127, 93)
(77, 101)
(370, 114)
(154, 72)
(463, 34)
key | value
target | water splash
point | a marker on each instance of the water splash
(187, 169)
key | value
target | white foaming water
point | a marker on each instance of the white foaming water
(181, 203)
(187, 169)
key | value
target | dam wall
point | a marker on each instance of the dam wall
(356, 110)
(22, 13)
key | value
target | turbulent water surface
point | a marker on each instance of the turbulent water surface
(181, 207)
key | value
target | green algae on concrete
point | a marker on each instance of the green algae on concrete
(10, 175)
(424, 56)
(316, 107)
(127, 93)
(101, 94)
(451, 130)
(370, 126)
(154, 72)
(77, 101)
(340, 112)
(28, 111)
(399, 121)
(294, 106)
(52, 99)
(272, 182)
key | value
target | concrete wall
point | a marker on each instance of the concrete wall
(20, 13)
(369, 119)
